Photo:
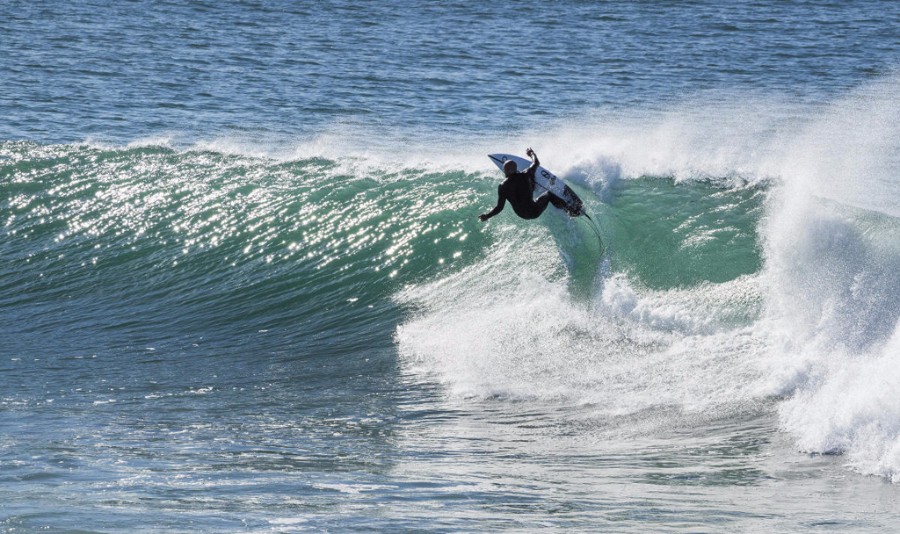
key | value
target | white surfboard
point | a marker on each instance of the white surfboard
(545, 181)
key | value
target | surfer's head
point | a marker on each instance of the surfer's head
(509, 168)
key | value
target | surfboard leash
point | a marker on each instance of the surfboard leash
(595, 227)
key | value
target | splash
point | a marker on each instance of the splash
(833, 282)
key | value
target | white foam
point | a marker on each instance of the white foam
(508, 327)
(849, 404)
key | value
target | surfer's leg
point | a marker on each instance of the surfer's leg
(540, 203)
(557, 202)
(548, 198)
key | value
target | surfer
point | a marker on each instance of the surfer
(518, 189)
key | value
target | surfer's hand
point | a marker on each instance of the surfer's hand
(483, 217)
(529, 152)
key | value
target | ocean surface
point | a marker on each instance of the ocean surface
(243, 286)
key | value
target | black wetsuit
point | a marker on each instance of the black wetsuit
(518, 189)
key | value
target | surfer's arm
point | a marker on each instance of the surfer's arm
(535, 163)
(501, 202)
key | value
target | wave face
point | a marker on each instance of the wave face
(199, 239)
(745, 265)
(117, 240)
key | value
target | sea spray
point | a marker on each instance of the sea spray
(833, 282)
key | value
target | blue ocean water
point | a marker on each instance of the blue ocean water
(244, 288)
